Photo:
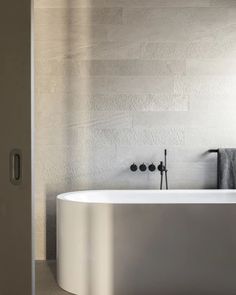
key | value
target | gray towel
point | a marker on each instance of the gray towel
(227, 169)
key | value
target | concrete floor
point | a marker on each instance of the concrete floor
(46, 279)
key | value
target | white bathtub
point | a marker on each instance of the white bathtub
(147, 242)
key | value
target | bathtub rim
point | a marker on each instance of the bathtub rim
(221, 196)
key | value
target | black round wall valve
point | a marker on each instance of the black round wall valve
(161, 167)
(133, 167)
(143, 167)
(152, 167)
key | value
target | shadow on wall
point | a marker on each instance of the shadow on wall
(74, 89)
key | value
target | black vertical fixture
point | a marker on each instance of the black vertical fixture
(165, 152)
(163, 169)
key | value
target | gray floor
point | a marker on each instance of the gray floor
(46, 279)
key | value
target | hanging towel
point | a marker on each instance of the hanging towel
(227, 169)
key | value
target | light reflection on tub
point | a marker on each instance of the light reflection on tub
(147, 242)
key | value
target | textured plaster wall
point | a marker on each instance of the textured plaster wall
(117, 81)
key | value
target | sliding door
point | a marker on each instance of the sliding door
(15, 148)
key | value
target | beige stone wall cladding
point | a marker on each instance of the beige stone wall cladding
(117, 81)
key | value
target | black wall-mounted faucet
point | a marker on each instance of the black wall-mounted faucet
(163, 169)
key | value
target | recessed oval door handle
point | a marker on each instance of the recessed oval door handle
(15, 166)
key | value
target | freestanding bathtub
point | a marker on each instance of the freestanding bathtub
(147, 242)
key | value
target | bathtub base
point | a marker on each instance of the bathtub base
(139, 249)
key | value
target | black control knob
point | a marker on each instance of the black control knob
(142, 167)
(152, 167)
(133, 167)
(161, 167)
